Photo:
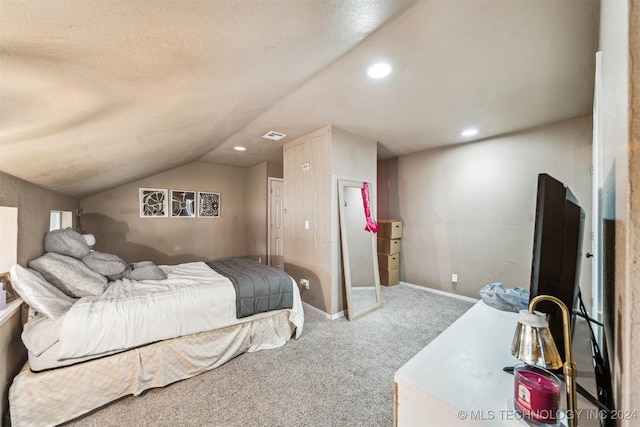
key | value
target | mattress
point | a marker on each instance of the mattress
(55, 396)
(48, 359)
(193, 299)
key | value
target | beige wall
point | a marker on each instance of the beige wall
(383, 179)
(275, 170)
(114, 218)
(469, 209)
(257, 199)
(312, 196)
(34, 207)
(258, 208)
(631, 292)
(620, 43)
(387, 173)
(307, 197)
(634, 209)
(353, 158)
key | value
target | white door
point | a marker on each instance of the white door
(275, 246)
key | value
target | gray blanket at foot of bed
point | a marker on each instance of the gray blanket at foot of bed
(259, 287)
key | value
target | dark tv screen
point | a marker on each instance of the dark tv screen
(557, 251)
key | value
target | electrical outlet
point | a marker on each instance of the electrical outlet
(454, 278)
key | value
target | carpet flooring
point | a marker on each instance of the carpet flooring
(338, 373)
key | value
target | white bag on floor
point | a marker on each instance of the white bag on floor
(497, 296)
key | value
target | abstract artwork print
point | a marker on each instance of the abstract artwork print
(153, 203)
(208, 204)
(183, 203)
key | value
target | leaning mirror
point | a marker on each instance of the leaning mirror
(359, 258)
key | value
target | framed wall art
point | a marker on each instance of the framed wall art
(208, 204)
(183, 203)
(153, 203)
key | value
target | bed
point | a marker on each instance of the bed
(86, 352)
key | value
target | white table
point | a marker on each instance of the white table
(458, 379)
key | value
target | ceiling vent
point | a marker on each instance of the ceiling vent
(276, 136)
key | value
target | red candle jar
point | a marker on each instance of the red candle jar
(536, 393)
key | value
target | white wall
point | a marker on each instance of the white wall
(9, 241)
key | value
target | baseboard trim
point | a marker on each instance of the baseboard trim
(322, 313)
(409, 285)
(439, 292)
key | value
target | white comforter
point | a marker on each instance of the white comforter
(194, 298)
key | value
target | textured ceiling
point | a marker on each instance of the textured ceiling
(94, 94)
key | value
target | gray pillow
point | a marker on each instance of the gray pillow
(70, 275)
(147, 272)
(66, 242)
(141, 264)
(105, 264)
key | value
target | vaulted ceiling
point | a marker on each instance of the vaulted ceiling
(94, 94)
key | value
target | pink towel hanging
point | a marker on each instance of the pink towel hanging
(371, 226)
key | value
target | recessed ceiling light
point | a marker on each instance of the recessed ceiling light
(469, 132)
(239, 148)
(379, 70)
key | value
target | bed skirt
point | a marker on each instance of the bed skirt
(52, 397)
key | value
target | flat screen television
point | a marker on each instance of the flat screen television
(557, 252)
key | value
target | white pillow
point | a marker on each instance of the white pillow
(39, 294)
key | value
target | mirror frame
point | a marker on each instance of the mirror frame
(351, 314)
